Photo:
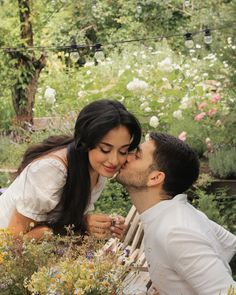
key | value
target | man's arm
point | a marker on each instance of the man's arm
(195, 260)
(226, 239)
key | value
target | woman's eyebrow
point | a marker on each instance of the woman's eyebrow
(110, 145)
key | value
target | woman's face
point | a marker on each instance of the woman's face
(111, 152)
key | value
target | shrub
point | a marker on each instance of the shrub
(114, 199)
(222, 163)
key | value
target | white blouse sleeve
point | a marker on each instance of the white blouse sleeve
(39, 188)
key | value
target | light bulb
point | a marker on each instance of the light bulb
(94, 9)
(207, 36)
(74, 56)
(189, 43)
(188, 40)
(187, 4)
(99, 55)
(139, 9)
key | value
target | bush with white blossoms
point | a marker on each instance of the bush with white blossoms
(154, 121)
(185, 93)
(137, 85)
(50, 95)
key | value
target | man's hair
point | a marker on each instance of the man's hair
(177, 160)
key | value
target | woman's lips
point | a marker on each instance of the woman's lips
(110, 169)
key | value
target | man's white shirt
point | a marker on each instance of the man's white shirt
(187, 253)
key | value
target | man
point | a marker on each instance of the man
(186, 252)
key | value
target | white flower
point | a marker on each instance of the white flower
(154, 121)
(144, 105)
(147, 137)
(50, 95)
(185, 102)
(120, 72)
(166, 65)
(142, 98)
(147, 110)
(229, 40)
(89, 64)
(137, 84)
(198, 46)
(178, 114)
(81, 93)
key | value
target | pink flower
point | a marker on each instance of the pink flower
(202, 105)
(200, 116)
(182, 136)
(212, 112)
(215, 98)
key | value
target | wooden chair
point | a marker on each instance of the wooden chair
(132, 248)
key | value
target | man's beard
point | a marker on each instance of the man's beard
(133, 182)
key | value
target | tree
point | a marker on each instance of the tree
(28, 67)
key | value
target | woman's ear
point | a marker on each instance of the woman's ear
(155, 178)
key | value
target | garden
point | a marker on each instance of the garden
(171, 63)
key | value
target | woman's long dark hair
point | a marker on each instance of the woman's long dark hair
(93, 123)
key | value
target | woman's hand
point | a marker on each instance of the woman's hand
(103, 226)
(98, 225)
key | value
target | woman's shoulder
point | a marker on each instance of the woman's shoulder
(56, 160)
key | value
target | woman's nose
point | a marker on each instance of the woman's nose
(113, 159)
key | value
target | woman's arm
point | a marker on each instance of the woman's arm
(20, 224)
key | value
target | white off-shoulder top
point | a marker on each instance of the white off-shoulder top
(36, 192)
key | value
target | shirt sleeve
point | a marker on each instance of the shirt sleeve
(226, 238)
(197, 263)
(39, 188)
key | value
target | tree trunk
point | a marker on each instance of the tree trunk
(25, 87)
(28, 69)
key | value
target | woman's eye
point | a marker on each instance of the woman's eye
(104, 151)
(124, 153)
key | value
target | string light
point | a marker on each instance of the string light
(207, 36)
(71, 48)
(139, 9)
(188, 40)
(99, 55)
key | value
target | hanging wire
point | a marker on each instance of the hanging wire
(76, 47)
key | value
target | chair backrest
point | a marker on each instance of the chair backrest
(138, 279)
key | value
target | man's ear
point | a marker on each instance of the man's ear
(155, 178)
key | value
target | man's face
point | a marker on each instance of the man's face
(135, 172)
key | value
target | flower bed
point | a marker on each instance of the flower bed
(60, 265)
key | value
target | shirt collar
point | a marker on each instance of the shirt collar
(156, 210)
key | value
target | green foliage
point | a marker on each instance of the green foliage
(114, 199)
(10, 152)
(5, 179)
(222, 163)
(219, 207)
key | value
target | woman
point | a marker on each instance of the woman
(59, 180)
